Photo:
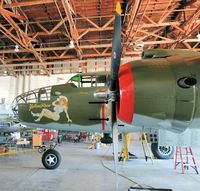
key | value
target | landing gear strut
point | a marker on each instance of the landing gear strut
(51, 159)
(106, 139)
(43, 148)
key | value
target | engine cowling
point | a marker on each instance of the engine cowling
(159, 93)
(127, 94)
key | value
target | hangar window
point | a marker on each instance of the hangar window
(186, 82)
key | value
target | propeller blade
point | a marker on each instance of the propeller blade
(115, 64)
(116, 48)
(115, 151)
(115, 140)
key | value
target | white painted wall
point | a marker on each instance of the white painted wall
(10, 86)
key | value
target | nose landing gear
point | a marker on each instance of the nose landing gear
(51, 159)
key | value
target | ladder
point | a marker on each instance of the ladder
(184, 158)
(143, 140)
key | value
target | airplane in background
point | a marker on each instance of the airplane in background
(5, 111)
(8, 122)
(161, 91)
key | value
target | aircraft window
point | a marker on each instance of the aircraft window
(101, 79)
(88, 81)
(186, 82)
(76, 78)
(31, 98)
(57, 93)
(45, 94)
(20, 99)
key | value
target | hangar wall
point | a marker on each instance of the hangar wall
(67, 66)
(11, 86)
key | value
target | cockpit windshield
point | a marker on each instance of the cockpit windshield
(42, 94)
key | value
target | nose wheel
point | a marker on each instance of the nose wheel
(51, 159)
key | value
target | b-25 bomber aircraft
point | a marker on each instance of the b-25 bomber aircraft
(161, 91)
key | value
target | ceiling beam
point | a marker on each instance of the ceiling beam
(85, 56)
(58, 48)
(65, 62)
(12, 14)
(133, 13)
(24, 39)
(191, 25)
(27, 3)
(6, 68)
(73, 30)
(73, 34)
(108, 45)
(84, 31)
(10, 36)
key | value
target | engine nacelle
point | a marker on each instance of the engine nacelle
(160, 93)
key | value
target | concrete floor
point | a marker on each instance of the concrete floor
(81, 170)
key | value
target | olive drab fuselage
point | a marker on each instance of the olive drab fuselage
(79, 109)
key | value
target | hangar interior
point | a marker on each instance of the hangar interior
(47, 43)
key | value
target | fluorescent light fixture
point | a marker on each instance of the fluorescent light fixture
(79, 69)
(71, 44)
(41, 71)
(138, 46)
(16, 48)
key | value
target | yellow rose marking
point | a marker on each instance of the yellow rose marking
(33, 106)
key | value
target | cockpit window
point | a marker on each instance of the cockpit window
(32, 97)
(45, 94)
(29, 97)
(82, 81)
(76, 79)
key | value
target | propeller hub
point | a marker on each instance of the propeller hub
(101, 94)
(113, 96)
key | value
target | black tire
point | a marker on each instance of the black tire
(51, 159)
(162, 152)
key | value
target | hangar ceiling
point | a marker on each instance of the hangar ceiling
(56, 31)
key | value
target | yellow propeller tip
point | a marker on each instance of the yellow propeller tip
(118, 8)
